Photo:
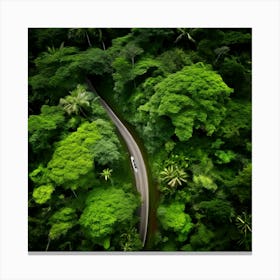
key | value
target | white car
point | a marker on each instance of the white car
(133, 164)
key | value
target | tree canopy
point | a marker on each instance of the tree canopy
(185, 95)
(106, 211)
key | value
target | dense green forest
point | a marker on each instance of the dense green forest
(184, 93)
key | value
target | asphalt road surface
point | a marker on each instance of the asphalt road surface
(139, 168)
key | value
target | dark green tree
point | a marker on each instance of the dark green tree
(44, 129)
(107, 148)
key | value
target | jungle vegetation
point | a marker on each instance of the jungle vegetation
(186, 94)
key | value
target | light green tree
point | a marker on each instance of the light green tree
(184, 33)
(77, 102)
(173, 218)
(202, 180)
(61, 222)
(106, 174)
(43, 193)
(173, 176)
(193, 98)
(106, 211)
(72, 163)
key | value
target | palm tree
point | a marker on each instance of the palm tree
(173, 176)
(80, 34)
(184, 33)
(130, 241)
(221, 52)
(106, 173)
(243, 223)
(78, 100)
(99, 35)
(53, 50)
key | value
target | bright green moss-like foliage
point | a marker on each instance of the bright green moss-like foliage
(173, 218)
(43, 193)
(62, 221)
(38, 175)
(205, 182)
(106, 210)
(193, 98)
(73, 157)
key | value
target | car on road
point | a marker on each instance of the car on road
(133, 164)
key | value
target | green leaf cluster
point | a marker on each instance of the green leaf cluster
(173, 218)
(106, 150)
(106, 210)
(61, 222)
(217, 211)
(192, 98)
(43, 128)
(131, 241)
(43, 193)
(73, 157)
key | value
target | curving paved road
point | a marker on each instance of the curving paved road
(140, 172)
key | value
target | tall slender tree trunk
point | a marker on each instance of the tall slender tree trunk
(49, 241)
(103, 45)
(89, 43)
(74, 193)
(132, 62)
